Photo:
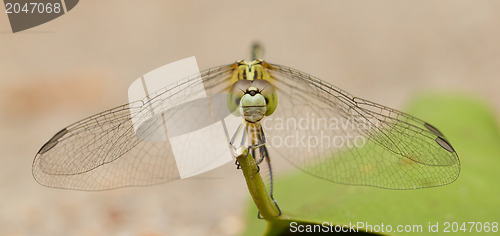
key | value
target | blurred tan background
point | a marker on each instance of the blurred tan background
(83, 62)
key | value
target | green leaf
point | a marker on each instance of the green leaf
(471, 128)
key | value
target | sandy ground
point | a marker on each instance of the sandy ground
(83, 62)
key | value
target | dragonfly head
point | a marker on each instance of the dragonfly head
(252, 105)
(252, 99)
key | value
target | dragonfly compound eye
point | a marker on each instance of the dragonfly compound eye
(235, 94)
(267, 90)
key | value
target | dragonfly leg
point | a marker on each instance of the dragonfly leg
(231, 143)
(259, 216)
(234, 137)
(261, 158)
(279, 211)
(243, 137)
(262, 155)
(261, 146)
(268, 160)
(253, 155)
(238, 166)
(265, 155)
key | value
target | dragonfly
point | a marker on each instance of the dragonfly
(271, 109)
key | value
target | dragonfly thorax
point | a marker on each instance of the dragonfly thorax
(250, 71)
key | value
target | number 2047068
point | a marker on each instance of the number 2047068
(32, 8)
(471, 227)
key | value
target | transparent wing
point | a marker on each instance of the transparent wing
(104, 151)
(333, 135)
